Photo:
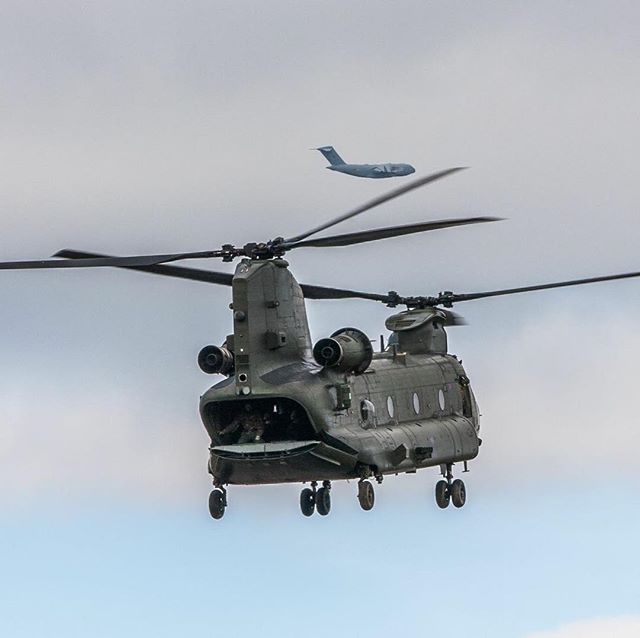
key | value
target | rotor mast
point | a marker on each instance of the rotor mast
(270, 327)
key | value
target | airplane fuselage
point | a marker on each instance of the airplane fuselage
(374, 171)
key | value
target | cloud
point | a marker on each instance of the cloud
(558, 396)
(618, 627)
(100, 446)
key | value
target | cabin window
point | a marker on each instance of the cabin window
(441, 400)
(367, 412)
(367, 409)
(416, 403)
(390, 407)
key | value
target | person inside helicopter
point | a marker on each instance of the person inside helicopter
(261, 421)
(248, 424)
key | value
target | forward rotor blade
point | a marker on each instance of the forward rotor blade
(376, 202)
(383, 233)
(194, 274)
(454, 298)
(99, 262)
(225, 279)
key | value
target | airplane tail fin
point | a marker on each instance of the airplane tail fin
(331, 155)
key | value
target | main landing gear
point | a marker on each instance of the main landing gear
(448, 490)
(313, 499)
(218, 502)
(366, 495)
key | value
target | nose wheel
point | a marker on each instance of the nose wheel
(450, 491)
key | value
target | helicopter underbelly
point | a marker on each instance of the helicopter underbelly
(404, 447)
(280, 462)
(408, 446)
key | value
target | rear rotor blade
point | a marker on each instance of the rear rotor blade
(376, 202)
(454, 319)
(449, 298)
(383, 233)
(322, 292)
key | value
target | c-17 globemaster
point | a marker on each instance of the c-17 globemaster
(374, 171)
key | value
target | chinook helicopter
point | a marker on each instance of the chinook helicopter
(289, 411)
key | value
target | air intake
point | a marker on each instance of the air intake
(347, 350)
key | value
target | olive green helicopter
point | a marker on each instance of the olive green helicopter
(288, 411)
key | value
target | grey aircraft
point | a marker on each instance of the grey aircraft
(374, 171)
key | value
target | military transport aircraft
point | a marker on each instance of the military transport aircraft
(374, 171)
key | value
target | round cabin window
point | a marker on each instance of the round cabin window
(416, 403)
(441, 401)
(390, 407)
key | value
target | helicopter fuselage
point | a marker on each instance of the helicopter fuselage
(405, 412)
(281, 417)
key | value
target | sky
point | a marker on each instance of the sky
(148, 127)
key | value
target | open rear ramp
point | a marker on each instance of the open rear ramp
(280, 462)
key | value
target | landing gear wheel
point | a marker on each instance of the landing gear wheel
(323, 501)
(307, 501)
(217, 504)
(366, 495)
(458, 493)
(442, 494)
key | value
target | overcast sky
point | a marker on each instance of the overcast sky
(133, 127)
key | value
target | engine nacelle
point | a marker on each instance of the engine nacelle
(216, 360)
(347, 350)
